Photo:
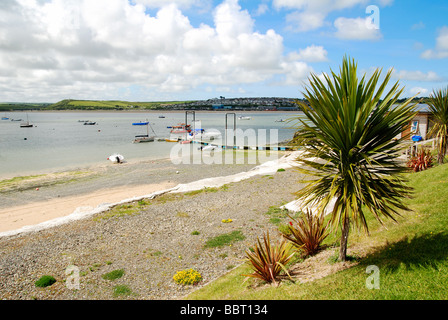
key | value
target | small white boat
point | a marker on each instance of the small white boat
(26, 124)
(201, 134)
(143, 138)
(116, 158)
(244, 118)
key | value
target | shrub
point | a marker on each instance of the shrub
(267, 260)
(45, 281)
(422, 161)
(225, 239)
(307, 233)
(122, 290)
(187, 277)
(113, 275)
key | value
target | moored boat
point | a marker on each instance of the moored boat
(146, 137)
(26, 124)
(143, 138)
(140, 123)
(181, 128)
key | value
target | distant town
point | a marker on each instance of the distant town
(218, 103)
(223, 103)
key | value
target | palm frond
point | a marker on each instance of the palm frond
(348, 133)
(438, 106)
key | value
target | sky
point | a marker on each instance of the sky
(161, 50)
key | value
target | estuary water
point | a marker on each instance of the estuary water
(59, 141)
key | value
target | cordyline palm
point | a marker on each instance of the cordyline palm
(348, 133)
(438, 106)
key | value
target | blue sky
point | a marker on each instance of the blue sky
(161, 50)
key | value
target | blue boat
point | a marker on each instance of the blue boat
(140, 123)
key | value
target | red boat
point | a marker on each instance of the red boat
(181, 128)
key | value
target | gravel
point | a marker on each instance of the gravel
(150, 241)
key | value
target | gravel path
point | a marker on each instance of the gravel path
(150, 240)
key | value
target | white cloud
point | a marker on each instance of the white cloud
(441, 49)
(418, 26)
(311, 14)
(356, 29)
(429, 76)
(262, 9)
(49, 50)
(296, 72)
(419, 91)
(305, 21)
(184, 4)
(312, 53)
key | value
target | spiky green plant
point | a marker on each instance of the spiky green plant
(268, 260)
(422, 161)
(438, 106)
(307, 232)
(348, 134)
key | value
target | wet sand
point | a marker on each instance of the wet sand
(55, 195)
(37, 212)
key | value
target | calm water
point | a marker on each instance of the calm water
(58, 141)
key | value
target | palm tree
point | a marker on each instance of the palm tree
(348, 133)
(438, 106)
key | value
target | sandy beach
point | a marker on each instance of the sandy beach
(35, 213)
(151, 241)
(57, 195)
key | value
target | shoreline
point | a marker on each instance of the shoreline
(19, 219)
(66, 201)
(157, 111)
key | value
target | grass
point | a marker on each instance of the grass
(135, 208)
(23, 183)
(225, 239)
(411, 257)
(45, 281)
(122, 290)
(206, 190)
(113, 275)
(119, 212)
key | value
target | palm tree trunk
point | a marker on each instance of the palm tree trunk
(344, 239)
(442, 150)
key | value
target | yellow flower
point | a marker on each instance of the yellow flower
(186, 277)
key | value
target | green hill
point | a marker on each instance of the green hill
(70, 104)
(22, 106)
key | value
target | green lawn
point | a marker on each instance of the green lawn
(411, 257)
